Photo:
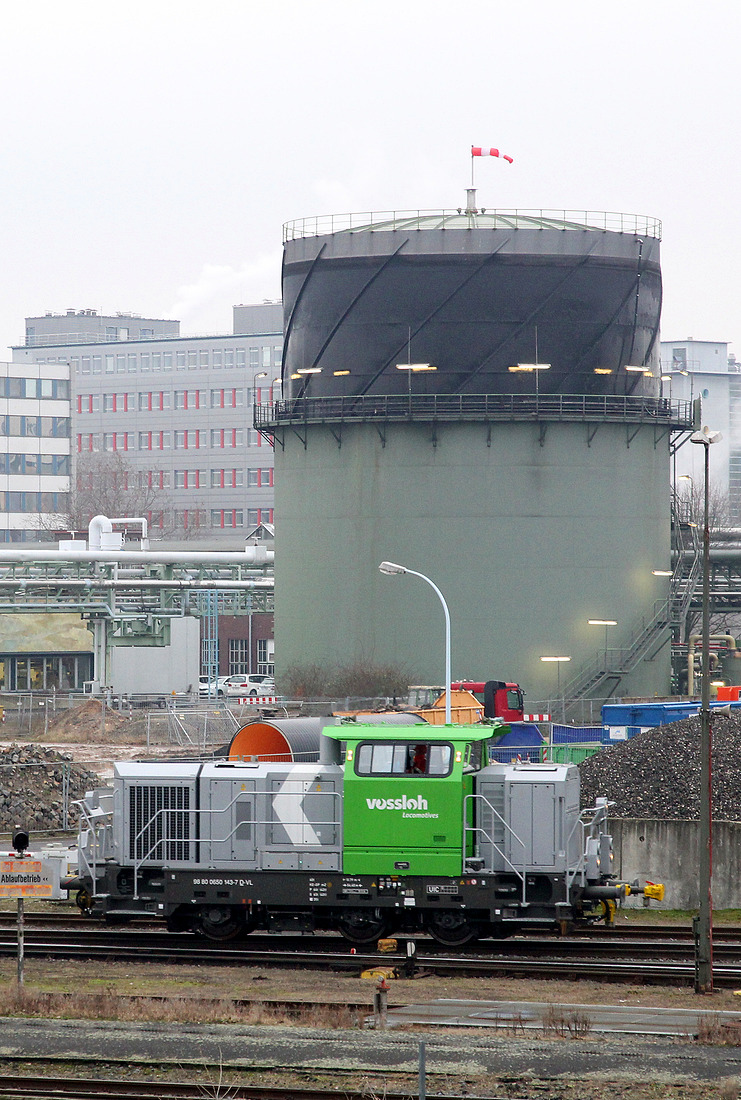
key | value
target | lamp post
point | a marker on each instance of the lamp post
(606, 623)
(558, 661)
(391, 569)
(535, 368)
(413, 368)
(703, 922)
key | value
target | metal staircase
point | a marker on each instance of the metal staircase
(600, 677)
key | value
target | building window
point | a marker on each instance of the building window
(255, 357)
(131, 362)
(217, 479)
(241, 357)
(239, 656)
(266, 356)
(181, 440)
(203, 358)
(144, 362)
(97, 364)
(266, 656)
(192, 360)
(181, 399)
(217, 399)
(167, 360)
(180, 478)
(180, 360)
(253, 479)
(217, 437)
(109, 403)
(229, 357)
(156, 361)
(216, 358)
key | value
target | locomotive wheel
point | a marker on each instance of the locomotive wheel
(217, 922)
(358, 926)
(452, 929)
(84, 902)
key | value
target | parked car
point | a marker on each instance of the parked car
(251, 684)
(218, 688)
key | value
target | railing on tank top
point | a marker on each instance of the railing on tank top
(603, 408)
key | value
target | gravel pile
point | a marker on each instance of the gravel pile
(657, 773)
(31, 788)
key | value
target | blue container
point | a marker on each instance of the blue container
(621, 721)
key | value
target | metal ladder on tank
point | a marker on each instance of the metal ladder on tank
(605, 672)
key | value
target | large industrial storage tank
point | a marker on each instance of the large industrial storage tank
(536, 499)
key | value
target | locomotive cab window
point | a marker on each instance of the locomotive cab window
(404, 758)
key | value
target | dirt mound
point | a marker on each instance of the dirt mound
(91, 721)
(657, 772)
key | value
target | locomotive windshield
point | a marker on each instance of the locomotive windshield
(404, 758)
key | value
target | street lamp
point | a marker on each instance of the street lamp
(704, 920)
(413, 368)
(606, 623)
(535, 368)
(392, 570)
(558, 661)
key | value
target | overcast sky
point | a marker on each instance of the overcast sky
(152, 149)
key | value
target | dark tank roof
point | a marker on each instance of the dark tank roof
(472, 294)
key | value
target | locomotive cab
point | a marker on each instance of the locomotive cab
(404, 793)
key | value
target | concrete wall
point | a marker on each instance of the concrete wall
(668, 852)
(526, 542)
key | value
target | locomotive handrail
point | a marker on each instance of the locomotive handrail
(478, 829)
(599, 813)
(210, 841)
(94, 821)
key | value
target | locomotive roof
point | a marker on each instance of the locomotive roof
(357, 731)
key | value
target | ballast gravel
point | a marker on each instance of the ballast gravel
(35, 783)
(656, 774)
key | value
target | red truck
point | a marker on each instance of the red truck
(501, 700)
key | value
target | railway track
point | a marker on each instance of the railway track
(67, 1088)
(75, 922)
(604, 958)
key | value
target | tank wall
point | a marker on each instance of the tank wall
(526, 542)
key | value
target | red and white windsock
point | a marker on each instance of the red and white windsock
(477, 151)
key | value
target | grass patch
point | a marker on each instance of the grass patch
(110, 1005)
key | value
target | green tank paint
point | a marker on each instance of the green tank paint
(527, 535)
(404, 792)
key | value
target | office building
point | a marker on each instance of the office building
(34, 447)
(177, 410)
(703, 368)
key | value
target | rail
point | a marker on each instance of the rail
(390, 220)
(477, 407)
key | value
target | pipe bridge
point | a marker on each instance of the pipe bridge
(135, 593)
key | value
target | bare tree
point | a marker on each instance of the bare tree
(106, 484)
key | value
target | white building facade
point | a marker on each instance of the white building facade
(177, 408)
(35, 447)
(703, 368)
